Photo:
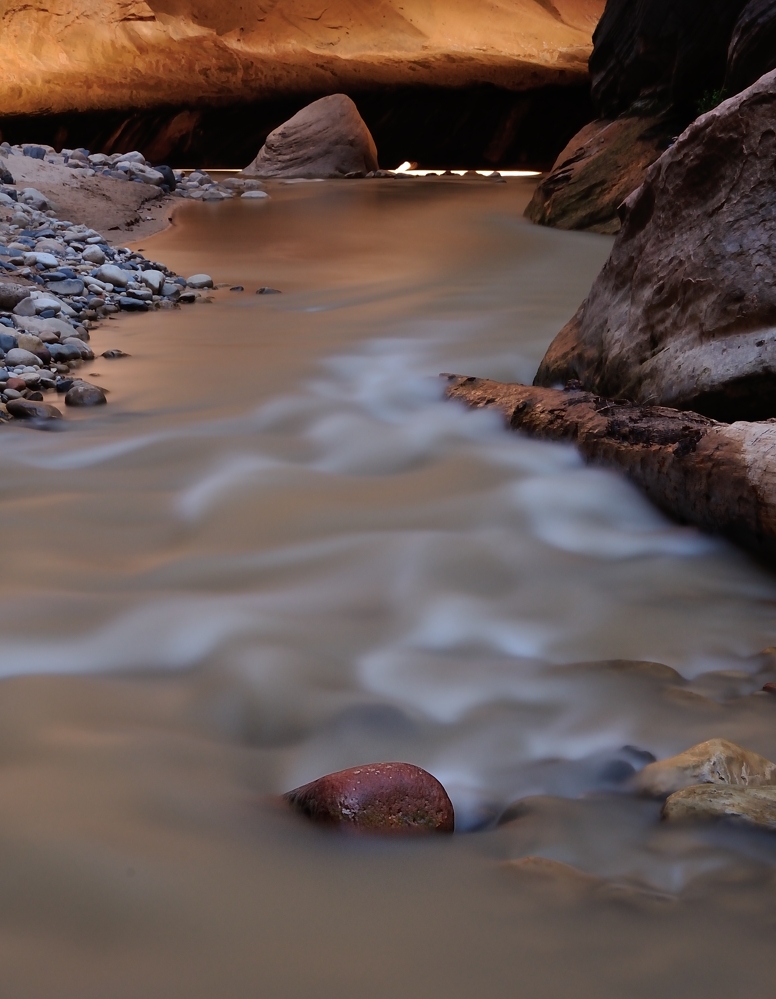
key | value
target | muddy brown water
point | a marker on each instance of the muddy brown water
(278, 553)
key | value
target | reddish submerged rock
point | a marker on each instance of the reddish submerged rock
(387, 798)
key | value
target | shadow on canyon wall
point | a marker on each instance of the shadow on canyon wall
(474, 127)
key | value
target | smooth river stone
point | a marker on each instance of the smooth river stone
(84, 394)
(24, 409)
(111, 274)
(200, 281)
(387, 798)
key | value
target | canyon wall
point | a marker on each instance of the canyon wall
(70, 55)
(122, 62)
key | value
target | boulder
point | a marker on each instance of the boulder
(752, 51)
(596, 172)
(387, 798)
(753, 806)
(714, 762)
(328, 138)
(683, 314)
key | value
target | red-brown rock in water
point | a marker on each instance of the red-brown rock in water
(386, 798)
(683, 313)
(328, 138)
(596, 172)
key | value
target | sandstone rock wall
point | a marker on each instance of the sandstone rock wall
(98, 55)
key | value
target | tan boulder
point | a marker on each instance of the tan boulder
(714, 762)
(328, 138)
(755, 806)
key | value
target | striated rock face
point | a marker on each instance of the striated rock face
(665, 52)
(752, 50)
(683, 313)
(326, 139)
(384, 798)
(90, 55)
(751, 806)
(596, 172)
(717, 761)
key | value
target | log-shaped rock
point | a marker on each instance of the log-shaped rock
(717, 476)
(683, 314)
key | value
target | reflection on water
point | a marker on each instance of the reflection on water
(278, 553)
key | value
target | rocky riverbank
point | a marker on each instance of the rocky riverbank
(61, 272)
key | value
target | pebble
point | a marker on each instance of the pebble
(268, 291)
(253, 195)
(111, 274)
(26, 409)
(84, 394)
(386, 798)
(200, 281)
(128, 304)
(19, 356)
(94, 255)
(112, 355)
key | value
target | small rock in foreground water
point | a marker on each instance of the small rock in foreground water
(387, 798)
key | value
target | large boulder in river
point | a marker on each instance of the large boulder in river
(683, 314)
(328, 138)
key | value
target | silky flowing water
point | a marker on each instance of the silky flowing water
(278, 553)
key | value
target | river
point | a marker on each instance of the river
(277, 553)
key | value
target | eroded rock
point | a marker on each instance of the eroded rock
(714, 762)
(755, 806)
(683, 314)
(596, 172)
(387, 798)
(328, 138)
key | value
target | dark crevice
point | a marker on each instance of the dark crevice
(752, 398)
(477, 127)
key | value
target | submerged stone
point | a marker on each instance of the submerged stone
(387, 798)
(714, 762)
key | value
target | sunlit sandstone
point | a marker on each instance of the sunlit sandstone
(105, 54)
